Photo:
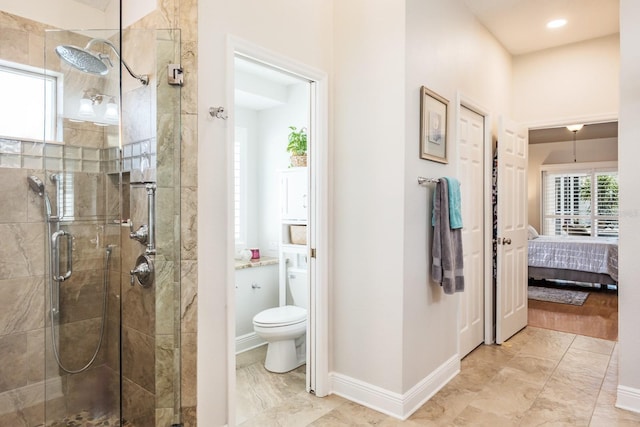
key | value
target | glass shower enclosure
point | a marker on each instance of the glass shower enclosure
(107, 187)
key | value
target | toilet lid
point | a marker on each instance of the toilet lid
(279, 316)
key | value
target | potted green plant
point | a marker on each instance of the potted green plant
(297, 146)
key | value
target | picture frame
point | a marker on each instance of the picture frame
(433, 126)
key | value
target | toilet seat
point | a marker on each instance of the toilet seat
(280, 316)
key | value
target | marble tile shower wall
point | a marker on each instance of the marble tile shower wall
(27, 364)
(150, 317)
(22, 290)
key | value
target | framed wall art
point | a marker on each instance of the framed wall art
(433, 126)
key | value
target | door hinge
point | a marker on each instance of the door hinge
(313, 252)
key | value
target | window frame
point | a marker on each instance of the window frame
(589, 168)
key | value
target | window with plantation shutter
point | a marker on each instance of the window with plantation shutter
(580, 201)
(240, 185)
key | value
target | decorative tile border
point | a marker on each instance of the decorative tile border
(56, 157)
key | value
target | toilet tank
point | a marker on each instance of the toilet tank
(297, 279)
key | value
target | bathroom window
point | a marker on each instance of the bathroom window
(29, 102)
(240, 186)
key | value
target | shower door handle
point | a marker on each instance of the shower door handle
(55, 243)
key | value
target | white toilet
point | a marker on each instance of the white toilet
(284, 328)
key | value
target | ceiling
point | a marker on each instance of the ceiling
(589, 131)
(96, 4)
(520, 25)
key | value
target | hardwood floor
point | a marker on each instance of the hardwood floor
(597, 318)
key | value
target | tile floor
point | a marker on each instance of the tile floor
(538, 377)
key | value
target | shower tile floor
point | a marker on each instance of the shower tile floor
(85, 419)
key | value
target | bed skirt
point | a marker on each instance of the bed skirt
(573, 275)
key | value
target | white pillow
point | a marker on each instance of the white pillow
(533, 233)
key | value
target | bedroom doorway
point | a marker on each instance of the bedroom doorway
(551, 147)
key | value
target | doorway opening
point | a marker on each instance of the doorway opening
(278, 286)
(582, 163)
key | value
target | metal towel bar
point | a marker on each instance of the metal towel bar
(422, 180)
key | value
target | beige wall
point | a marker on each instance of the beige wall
(569, 102)
(298, 30)
(451, 53)
(378, 250)
(67, 14)
(567, 84)
(593, 150)
(629, 153)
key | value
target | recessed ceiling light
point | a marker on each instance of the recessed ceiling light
(557, 23)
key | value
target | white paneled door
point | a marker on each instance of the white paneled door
(511, 292)
(470, 146)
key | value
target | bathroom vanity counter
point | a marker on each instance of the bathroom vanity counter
(261, 262)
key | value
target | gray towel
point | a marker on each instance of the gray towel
(446, 251)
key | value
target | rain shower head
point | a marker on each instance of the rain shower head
(36, 185)
(94, 63)
(82, 59)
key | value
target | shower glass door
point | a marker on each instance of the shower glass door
(83, 244)
(111, 345)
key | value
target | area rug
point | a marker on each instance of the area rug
(561, 296)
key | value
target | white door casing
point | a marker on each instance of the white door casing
(512, 266)
(318, 234)
(470, 146)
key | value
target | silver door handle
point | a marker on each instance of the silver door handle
(55, 243)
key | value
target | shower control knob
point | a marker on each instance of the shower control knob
(141, 234)
(143, 271)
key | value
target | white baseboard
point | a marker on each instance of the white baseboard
(247, 342)
(397, 405)
(628, 398)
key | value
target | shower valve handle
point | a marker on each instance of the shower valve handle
(143, 271)
(141, 234)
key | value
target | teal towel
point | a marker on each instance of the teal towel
(455, 211)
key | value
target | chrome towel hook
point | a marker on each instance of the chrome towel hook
(218, 113)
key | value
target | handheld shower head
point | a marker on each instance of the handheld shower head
(36, 185)
(93, 63)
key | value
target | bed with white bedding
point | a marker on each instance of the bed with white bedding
(580, 259)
